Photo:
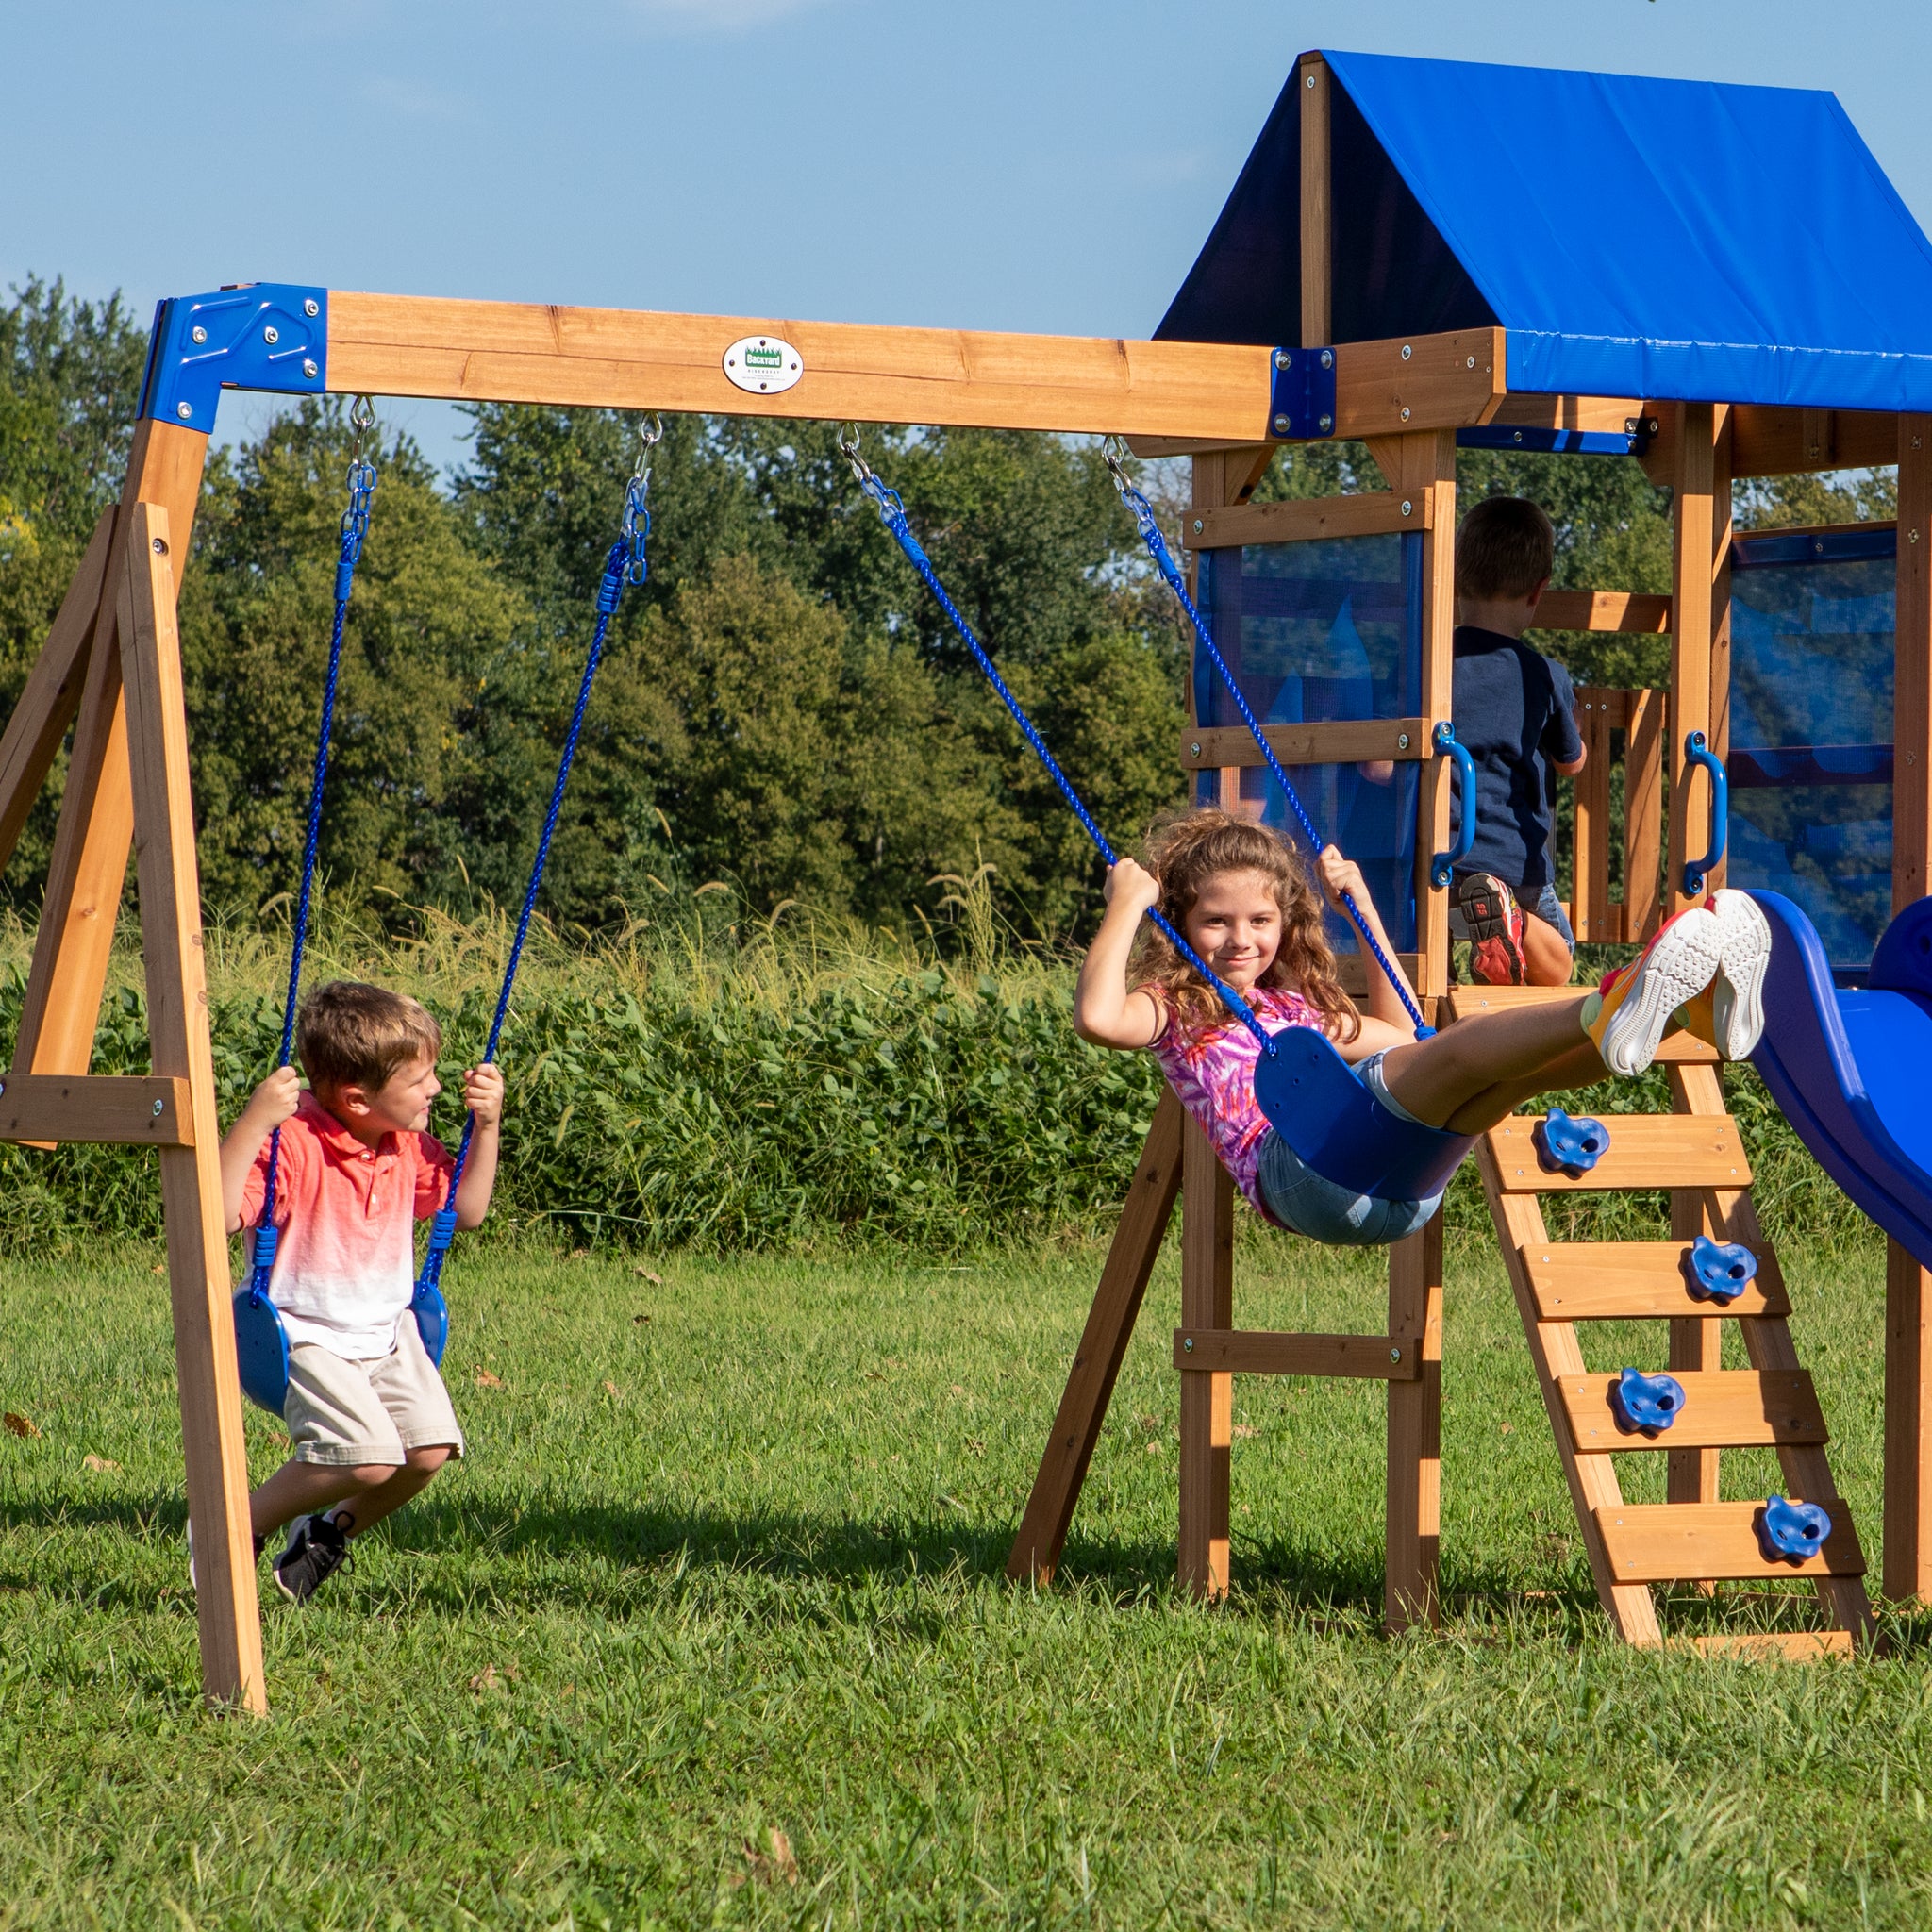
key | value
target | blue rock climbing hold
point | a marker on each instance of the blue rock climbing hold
(1792, 1531)
(1646, 1404)
(1569, 1146)
(1719, 1270)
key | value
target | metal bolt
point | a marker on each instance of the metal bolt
(1401, 741)
(1188, 1346)
(1310, 82)
(1326, 422)
(183, 410)
(156, 1109)
(310, 366)
(160, 546)
(1471, 364)
(1395, 1355)
(197, 334)
(1404, 412)
(1518, 437)
(1193, 751)
(1197, 526)
(311, 305)
(1327, 358)
(1407, 506)
(271, 334)
(1283, 360)
(1281, 426)
(1407, 350)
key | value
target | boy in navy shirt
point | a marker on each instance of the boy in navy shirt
(1515, 709)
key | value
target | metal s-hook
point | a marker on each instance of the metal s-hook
(361, 419)
(848, 448)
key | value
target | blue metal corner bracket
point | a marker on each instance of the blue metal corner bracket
(1301, 395)
(269, 336)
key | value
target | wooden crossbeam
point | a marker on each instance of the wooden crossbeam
(1310, 519)
(510, 352)
(1344, 741)
(1265, 1351)
(102, 1108)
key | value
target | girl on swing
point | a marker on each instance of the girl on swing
(1243, 901)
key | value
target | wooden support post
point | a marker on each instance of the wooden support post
(1695, 1345)
(199, 1287)
(1036, 1551)
(52, 693)
(1907, 1286)
(1692, 520)
(89, 865)
(1415, 1432)
(1317, 217)
(1206, 1400)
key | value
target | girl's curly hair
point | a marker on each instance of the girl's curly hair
(1188, 850)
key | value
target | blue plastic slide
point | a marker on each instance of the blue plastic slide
(1852, 1069)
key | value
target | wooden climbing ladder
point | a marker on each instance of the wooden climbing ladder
(1694, 1152)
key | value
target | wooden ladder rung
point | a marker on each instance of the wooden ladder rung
(1791, 1646)
(1675, 1049)
(1263, 1352)
(1724, 1409)
(1599, 1281)
(1647, 1150)
(1709, 1542)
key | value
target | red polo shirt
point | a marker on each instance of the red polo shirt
(346, 1263)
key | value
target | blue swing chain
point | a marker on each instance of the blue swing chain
(892, 514)
(624, 564)
(355, 528)
(1142, 513)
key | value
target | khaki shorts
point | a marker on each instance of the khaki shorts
(346, 1413)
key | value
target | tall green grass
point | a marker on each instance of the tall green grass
(710, 1083)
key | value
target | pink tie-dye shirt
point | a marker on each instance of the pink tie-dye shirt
(1212, 1069)
(345, 1263)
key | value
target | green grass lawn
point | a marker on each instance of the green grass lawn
(725, 1563)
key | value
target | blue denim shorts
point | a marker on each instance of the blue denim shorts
(1545, 905)
(1301, 1199)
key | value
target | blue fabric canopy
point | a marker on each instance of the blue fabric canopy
(1666, 238)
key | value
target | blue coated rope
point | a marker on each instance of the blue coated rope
(892, 514)
(355, 528)
(625, 563)
(1142, 513)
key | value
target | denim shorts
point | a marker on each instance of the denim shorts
(1547, 907)
(1303, 1200)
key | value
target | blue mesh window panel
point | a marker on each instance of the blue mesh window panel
(1812, 616)
(1324, 631)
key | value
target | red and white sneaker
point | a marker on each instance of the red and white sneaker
(1729, 1014)
(1627, 1014)
(1494, 921)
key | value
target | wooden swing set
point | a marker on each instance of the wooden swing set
(110, 673)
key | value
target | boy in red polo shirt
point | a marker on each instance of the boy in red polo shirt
(368, 1417)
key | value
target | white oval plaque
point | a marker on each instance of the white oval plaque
(763, 364)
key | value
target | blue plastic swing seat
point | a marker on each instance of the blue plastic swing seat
(1314, 1100)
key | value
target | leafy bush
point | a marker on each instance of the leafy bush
(709, 1087)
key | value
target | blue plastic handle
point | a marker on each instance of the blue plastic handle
(1443, 866)
(1699, 753)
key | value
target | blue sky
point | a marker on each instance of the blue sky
(992, 165)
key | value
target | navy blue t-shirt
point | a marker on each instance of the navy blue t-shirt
(1516, 712)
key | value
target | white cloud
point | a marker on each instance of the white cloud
(718, 16)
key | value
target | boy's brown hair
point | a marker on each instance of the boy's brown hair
(1505, 547)
(354, 1035)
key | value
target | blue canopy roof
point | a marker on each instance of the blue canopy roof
(1668, 238)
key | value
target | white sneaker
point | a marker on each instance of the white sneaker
(1738, 992)
(1627, 1014)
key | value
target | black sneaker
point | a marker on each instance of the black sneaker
(317, 1546)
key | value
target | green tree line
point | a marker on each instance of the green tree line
(782, 707)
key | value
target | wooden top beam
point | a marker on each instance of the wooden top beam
(406, 345)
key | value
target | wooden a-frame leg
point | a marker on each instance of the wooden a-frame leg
(52, 692)
(1206, 1397)
(210, 1395)
(1907, 1440)
(1415, 1432)
(1137, 1239)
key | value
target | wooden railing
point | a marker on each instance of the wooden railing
(1604, 716)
